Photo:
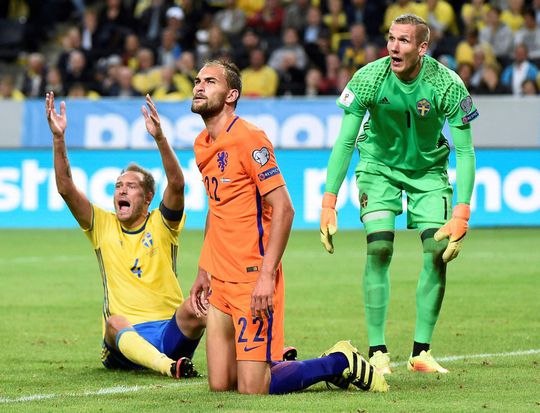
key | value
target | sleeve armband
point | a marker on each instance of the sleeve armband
(169, 214)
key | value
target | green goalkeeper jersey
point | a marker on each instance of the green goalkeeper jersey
(404, 128)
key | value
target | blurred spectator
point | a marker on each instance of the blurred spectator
(441, 19)
(8, 89)
(77, 71)
(513, 16)
(313, 82)
(448, 61)
(109, 72)
(114, 21)
(147, 76)
(314, 26)
(520, 70)
(490, 84)
(268, 21)
(259, 79)
(336, 18)
(194, 12)
(218, 46)
(481, 58)
(71, 40)
(296, 15)
(318, 51)
(53, 82)
(465, 72)
(536, 7)
(250, 7)
(33, 84)
(498, 35)
(131, 48)
(123, 85)
(250, 41)
(473, 15)
(78, 91)
(529, 35)
(370, 13)
(329, 81)
(167, 89)
(352, 52)
(529, 88)
(184, 76)
(397, 9)
(344, 76)
(465, 48)
(231, 21)
(169, 50)
(153, 20)
(291, 44)
(90, 42)
(291, 78)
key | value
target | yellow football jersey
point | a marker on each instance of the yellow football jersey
(138, 268)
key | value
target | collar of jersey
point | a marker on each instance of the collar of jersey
(136, 231)
(227, 129)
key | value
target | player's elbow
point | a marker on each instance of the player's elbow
(288, 212)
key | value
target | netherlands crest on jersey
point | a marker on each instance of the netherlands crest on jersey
(423, 107)
(147, 240)
(261, 156)
(222, 158)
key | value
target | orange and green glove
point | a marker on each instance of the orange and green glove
(455, 230)
(328, 221)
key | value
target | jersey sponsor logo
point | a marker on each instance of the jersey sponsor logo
(470, 116)
(466, 104)
(147, 240)
(222, 158)
(423, 107)
(346, 97)
(269, 173)
(254, 268)
(384, 101)
(261, 156)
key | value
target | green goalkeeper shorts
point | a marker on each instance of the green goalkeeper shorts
(381, 188)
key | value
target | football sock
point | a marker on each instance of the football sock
(376, 284)
(374, 349)
(419, 347)
(430, 288)
(178, 344)
(136, 349)
(290, 376)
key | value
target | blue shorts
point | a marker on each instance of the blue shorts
(163, 335)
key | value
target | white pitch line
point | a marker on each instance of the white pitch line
(126, 389)
(478, 356)
(99, 392)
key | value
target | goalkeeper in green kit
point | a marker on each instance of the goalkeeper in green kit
(409, 95)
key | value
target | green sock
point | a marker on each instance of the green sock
(430, 288)
(377, 286)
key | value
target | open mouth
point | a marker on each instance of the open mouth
(123, 205)
(396, 60)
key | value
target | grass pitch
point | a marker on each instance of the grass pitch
(50, 329)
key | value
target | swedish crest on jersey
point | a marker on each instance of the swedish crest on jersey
(261, 156)
(423, 107)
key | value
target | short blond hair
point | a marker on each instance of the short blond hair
(422, 29)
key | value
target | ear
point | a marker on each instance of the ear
(422, 48)
(232, 96)
(148, 198)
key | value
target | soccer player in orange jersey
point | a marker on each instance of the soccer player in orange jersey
(240, 284)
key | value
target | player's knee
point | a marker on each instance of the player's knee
(115, 323)
(382, 250)
(432, 247)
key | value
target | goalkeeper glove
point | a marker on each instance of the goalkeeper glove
(455, 230)
(328, 221)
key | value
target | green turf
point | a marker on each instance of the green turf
(50, 330)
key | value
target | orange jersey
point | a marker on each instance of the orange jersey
(237, 169)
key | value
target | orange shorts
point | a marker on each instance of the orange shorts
(257, 339)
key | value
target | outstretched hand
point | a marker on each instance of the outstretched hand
(57, 122)
(151, 119)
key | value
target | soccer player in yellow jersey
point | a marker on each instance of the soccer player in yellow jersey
(147, 323)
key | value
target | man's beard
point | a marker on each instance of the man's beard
(206, 110)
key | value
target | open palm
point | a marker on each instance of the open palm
(151, 119)
(57, 121)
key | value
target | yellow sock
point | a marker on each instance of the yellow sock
(140, 351)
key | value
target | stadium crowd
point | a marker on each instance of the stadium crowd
(93, 48)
